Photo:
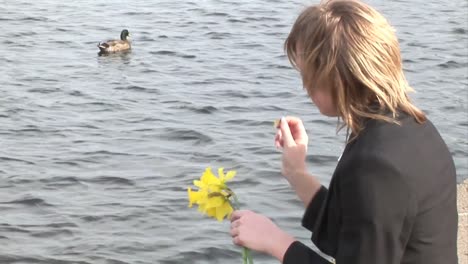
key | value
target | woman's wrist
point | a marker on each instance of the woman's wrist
(280, 245)
(295, 175)
(305, 186)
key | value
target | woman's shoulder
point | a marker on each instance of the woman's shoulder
(397, 143)
(406, 131)
(410, 149)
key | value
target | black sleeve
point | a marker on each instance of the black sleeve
(299, 253)
(313, 209)
(377, 211)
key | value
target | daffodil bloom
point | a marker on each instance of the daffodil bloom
(213, 195)
(215, 199)
(214, 184)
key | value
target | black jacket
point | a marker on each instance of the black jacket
(391, 200)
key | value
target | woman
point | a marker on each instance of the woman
(392, 197)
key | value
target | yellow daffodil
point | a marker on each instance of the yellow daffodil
(214, 184)
(215, 199)
(213, 195)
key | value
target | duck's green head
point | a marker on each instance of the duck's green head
(124, 35)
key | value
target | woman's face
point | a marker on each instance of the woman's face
(323, 100)
(321, 96)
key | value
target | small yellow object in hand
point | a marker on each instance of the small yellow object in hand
(277, 123)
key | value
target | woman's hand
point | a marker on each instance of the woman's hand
(259, 233)
(292, 137)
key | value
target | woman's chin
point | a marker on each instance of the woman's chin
(328, 113)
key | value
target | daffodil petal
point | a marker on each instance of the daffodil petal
(208, 178)
(223, 210)
(196, 197)
(211, 212)
(221, 174)
(199, 184)
(215, 188)
(214, 202)
(230, 174)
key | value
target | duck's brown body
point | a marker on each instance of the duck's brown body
(112, 46)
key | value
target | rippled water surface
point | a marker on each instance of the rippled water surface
(96, 152)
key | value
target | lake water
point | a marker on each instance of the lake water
(96, 152)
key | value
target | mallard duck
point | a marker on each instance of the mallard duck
(112, 46)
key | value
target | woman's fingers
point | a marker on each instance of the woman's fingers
(255, 231)
(234, 231)
(297, 130)
(288, 139)
(290, 132)
(238, 214)
(236, 240)
(236, 224)
(278, 139)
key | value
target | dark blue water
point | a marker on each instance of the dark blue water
(96, 152)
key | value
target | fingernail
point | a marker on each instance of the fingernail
(283, 119)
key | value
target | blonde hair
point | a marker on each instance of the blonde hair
(350, 48)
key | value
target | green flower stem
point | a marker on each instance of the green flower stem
(246, 256)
